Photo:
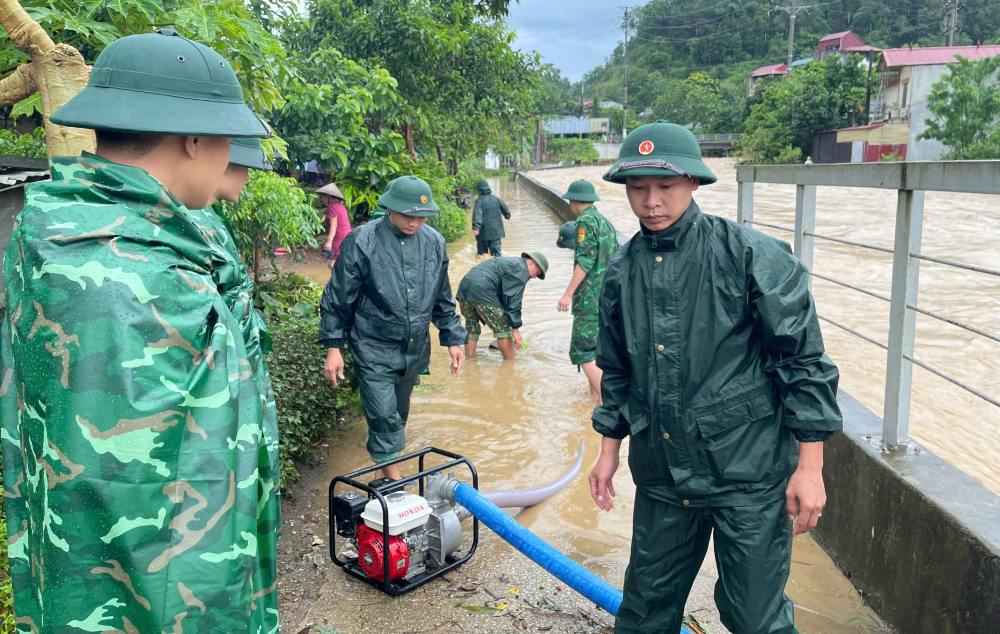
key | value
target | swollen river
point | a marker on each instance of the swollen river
(521, 422)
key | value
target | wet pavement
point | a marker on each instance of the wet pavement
(520, 423)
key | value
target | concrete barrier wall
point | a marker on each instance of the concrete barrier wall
(917, 537)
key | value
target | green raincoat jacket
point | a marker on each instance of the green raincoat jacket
(713, 363)
(497, 282)
(487, 217)
(139, 437)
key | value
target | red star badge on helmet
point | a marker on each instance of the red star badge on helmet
(646, 147)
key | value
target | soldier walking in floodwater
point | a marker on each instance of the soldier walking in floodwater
(487, 220)
(139, 455)
(596, 243)
(491, 294)
(714, 367)
(389, 283)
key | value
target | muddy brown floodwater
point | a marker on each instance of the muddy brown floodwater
(520, 423)
(960, 427)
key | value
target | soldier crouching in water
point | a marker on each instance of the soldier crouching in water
(140, 464)
(714, 367)
(389, 283)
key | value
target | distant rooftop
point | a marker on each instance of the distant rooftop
(921, 56)
(767, 71)
(576, 125)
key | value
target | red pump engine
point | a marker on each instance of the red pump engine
(371, 550)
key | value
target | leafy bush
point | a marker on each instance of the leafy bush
(788, 154)
(308, 406)
(453, 222)
(6, 589)
(31, 145)
(573, 150)
(272, 211)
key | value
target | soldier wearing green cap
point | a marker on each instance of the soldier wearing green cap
(487, 220)
(388, 285)
(491, 294)
(714, 367)
(596, 243)
(140, 458)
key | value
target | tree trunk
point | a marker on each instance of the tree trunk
(57, 71)
(410, 147)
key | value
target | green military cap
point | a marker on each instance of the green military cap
(246, 152)
(539, 259)
(410, 196)
(482, 186)
(378, 212)
(582, 190)
(660, 149)
(161, 83)
(567, 235)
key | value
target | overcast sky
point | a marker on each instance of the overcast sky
(572, 35)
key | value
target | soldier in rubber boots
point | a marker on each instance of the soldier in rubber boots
(596, 243)
(491, 293)
(487, 220)
(714, 367)
(139, 459)
(389, 283)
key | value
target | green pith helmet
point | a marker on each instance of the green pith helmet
(660, 149)
(482, 186)
(378, 212)
(539, 259)
(410, 196)
(582, 190)
(246, 152)
(161, 83)
(567, 235)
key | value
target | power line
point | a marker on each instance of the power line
(792, 10)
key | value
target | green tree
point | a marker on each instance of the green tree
(965, 105)
(696, 101)
(786, 114)
(272, 211)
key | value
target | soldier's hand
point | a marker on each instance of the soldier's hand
(457, 358)
(516, 335)
(475, 232)
(805, 498)
(334, 366)
(564, 302)
(602, 488)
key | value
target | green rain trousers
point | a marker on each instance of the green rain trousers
(753, 547)
(139, 438)
(385, 290)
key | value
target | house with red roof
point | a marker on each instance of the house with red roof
(844, 43)
(764, 72)
(900, 101)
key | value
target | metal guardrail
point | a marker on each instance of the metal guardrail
(910, 180)
(718, 138)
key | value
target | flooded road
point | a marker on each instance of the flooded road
(521, 422)
(954, 424)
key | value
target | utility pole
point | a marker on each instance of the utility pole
(793, 11)
(951, 21)
(625, 23)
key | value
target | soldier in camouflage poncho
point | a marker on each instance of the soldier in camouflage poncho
(139, 437)
(596, 243)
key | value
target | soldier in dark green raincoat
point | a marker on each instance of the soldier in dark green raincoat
(714, 367)
(140, 451)
(388, 285)
(487, 220)
(491, 294)
(596, 243)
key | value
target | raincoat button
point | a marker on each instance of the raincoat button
(661, 347)
(666, 436)
(659, 258)
(686, 502)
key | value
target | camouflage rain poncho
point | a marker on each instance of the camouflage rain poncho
(139, 436)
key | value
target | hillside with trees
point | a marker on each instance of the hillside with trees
(682, 48)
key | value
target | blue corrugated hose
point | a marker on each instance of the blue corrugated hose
(559, 565)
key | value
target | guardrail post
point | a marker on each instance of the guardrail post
(805, 223)
(902, 320)
(744, 202)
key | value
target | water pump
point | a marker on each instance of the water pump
(394, 538)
